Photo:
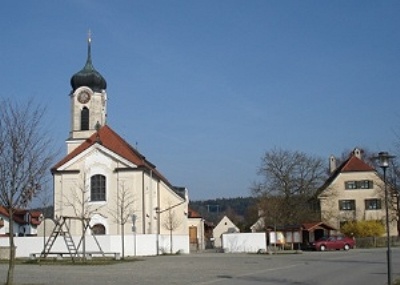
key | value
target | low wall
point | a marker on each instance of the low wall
(244, 242)
(135, 244)
(4, 252)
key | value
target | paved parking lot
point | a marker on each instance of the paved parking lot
(338, 267)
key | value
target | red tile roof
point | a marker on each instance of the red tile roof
(352, 164)
(109, 139)
(193, 214)
(3, 211)
(19, 216)
(355, 164)
(317, 225)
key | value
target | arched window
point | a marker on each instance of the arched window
(98, 188)
(85, 119)
(98, 229)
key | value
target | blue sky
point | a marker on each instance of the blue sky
(204, 88)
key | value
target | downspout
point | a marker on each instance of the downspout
(61, 196)
(143, 207)
(151, 202)
(118, 203)
(158, 218)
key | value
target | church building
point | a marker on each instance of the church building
(104, 180)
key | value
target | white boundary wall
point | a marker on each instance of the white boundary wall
(244, 242)
(135, 245)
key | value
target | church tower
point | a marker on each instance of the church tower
(88, 103)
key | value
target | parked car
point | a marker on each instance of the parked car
(334, 243)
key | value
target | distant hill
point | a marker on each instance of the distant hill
(240, 210)
(47, 211)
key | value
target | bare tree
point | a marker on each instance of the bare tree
(124, 210)
(80, 201)
(329, 202)
(394, 178)
(292, 176)
(44, 200)
(171, 223)
(271, 211)
(25, 158)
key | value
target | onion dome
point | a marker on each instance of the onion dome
(88, 76)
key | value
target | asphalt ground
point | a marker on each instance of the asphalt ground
(358, 266)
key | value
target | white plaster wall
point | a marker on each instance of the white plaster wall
(169, 199)
(6, 228)
(243, 242)
(135, 245)
(224, 226)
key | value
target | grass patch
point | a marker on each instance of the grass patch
(68, 261)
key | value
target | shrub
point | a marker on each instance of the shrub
(359, 229)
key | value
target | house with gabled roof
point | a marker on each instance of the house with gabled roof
(224, 226)
(25, 222)
(106, 180)
(355, 191)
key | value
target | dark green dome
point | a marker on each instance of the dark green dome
(88, 76)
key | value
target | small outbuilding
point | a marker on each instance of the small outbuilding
(223, 227)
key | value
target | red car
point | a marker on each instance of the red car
(334, 243)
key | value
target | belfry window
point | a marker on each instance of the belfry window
(85, 119)
(98, 188)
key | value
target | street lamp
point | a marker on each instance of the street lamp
(384, 159)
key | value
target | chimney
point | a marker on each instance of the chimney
(357, 153)
(332, 164)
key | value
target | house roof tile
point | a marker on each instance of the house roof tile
(355, 164)
(317, 225)
(109, 139)
(352, 164)
(193, 214)
(19, 215)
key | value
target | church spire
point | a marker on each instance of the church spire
(89, 102)
(89, 76)
(89, 55)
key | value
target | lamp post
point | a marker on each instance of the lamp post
(384, 159)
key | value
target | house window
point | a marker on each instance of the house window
(373, 204)
(85, 119)
(347, 205)
(365, 184)
(362, 184)
(350, 184)
(98, 188)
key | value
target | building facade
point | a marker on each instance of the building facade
(25, 222)
(354, 192)
(225, 226)
(103, 179)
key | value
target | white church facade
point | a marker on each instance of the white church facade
(106, 181)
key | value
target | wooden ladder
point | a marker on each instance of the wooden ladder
(60, 229)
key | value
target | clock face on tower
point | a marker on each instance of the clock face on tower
(84, 96)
